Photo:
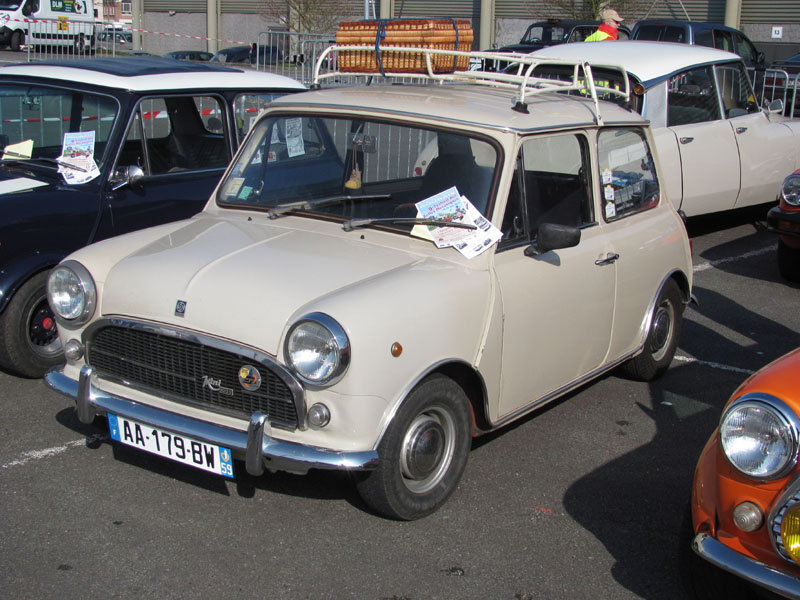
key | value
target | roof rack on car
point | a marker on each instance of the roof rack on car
(522, 72)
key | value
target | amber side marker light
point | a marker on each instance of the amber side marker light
(790, 531)
(397, 349)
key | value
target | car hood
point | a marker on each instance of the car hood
(244, 280)
(13, 185)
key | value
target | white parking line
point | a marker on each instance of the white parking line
(48, 452)
(715, 263)
(715, 365)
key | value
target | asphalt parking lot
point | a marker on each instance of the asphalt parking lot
(583, 499)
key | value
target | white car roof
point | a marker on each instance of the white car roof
(142, 74)
(649, 62)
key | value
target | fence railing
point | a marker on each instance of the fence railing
(777, 84)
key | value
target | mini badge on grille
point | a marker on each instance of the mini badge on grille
(250, 378)
(180, 308)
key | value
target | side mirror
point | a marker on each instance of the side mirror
(132, 176)
(775, 107)
(552, 236)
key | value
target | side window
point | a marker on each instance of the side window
(723, 40)
(691, 98)
(550, 185)
(674, 34)
(246, 109)
(734, 86)
(746, 50)
(704, 38)
(627, 173)
(175, 134)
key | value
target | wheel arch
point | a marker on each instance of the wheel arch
(466, 377)
(14, 275)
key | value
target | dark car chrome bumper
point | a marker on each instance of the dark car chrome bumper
(258, 449)
(745, 567)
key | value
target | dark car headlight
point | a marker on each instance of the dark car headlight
(318, 350)
(759, 436)
(71, 293)
(790, 191)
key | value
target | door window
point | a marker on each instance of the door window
(627, 173)
(550, 186)
(175, 134)
(723, 40)
(737, 94)
(692, 98)
(246, 109)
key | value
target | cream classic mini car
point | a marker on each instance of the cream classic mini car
(340, 304)
(718, 148)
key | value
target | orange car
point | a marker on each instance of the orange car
(746, 492)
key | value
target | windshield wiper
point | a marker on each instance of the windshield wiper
(44, 159)
(276, 212)
(355, 223)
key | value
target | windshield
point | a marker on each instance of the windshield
(352, 168)
(544, 33)
(35, 120)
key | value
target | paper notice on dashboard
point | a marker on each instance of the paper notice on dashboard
(77, 158)
(451, 206)
(19, 150)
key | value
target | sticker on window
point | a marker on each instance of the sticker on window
(294, 137)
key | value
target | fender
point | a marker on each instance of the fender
(14, 275)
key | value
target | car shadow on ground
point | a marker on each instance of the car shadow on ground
(635, 505)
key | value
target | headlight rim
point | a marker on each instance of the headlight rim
(796, 202)
(89, 288)
(784, 413)
(339, 336)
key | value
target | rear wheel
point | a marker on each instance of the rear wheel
(788, 262)
(662, 337)
(423, 452)
(29, 343)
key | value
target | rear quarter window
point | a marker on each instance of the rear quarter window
(628, 180)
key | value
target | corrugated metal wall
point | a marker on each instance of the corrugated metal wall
(699, 10)
(770, 11)
(439, 8)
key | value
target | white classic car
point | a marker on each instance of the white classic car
(718, 148)
(349, 299)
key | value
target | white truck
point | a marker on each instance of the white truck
(47, 23)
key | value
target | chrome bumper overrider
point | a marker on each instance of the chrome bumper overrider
(256, 446)
(745, 567)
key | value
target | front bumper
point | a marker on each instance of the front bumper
(745, 567)
(784, 222)
(256, 446)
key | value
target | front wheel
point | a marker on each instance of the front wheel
(662, 336)
(423, 452)
(16, 41)
(29, 343)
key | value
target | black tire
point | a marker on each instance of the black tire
(79, 46)
(423, 452)
(16, 41)
(662, 337)
(788, 262)
(29, 343)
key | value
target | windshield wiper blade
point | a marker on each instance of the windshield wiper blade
(44, 159)
(276, 212)
(355, 223)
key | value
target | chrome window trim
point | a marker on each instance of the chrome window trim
(282, 372)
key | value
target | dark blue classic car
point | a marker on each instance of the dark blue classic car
(94, 148)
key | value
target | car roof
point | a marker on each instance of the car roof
(461, 104)
(145, 73)
(680, 23)
(649, 62)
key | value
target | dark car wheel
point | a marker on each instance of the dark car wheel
(788, 262)
(16, 41)
(423, 452)
(662, 337)
(29, 343)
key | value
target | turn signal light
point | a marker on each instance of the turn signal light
(790, 531)
(748, 517)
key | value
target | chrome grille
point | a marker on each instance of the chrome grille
(190, 372)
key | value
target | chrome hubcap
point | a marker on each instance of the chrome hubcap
(661, 331)
(427, 450)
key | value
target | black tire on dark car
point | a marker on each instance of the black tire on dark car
(29, 344)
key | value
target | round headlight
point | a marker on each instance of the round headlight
(317, 349)
(759, 435)
(71, 293)
(791, 189)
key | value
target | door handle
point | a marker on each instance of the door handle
(610, 258)
(686, 140)
(741, 129)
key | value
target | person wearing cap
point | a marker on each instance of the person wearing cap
(608, 29)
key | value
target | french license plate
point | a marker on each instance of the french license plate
(177, 447)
